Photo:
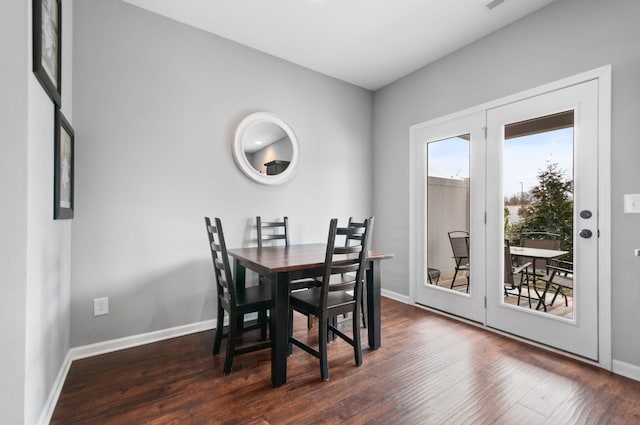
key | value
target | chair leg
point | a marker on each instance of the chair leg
(357, 347)
(262, 319)
(290, 345)
(231, 343)
(364, 311)
(309, 321)
(453, 281)
(323, 329)
(542, 298)
(219, 328)
(562, 294)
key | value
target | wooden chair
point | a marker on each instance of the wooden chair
(235, 302)
(279, 231)
(340, 293)
(515, 277)
(459, 240)
(355, 238)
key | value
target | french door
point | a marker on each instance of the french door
(450, 198)
(527, 163)
(555, 134)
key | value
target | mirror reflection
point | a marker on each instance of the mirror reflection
(267, 148)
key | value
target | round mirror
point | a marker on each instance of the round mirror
(266, 149)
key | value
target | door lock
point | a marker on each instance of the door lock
(585, 233)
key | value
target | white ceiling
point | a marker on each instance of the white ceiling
(369, 43)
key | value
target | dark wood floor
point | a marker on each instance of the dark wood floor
(429, 370)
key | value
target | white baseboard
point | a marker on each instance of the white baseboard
(395, 296)
(626, 369)
(137, 340)
(91, 350)
(54, 394)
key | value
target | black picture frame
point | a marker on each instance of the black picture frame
(47, 46)
(64, 155)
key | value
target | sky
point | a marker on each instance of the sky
(524, 158)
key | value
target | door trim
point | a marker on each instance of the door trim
(603, 77)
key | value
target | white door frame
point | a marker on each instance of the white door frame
(603, 77)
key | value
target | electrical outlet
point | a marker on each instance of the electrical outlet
(632, 203)
(100, 306)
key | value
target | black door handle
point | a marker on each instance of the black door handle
(585, 233)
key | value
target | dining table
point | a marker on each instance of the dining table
(280, 265)
(537, 254)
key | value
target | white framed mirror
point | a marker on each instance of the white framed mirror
(266, 148)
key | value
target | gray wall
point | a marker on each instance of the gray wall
(156, 104)
(34, 250)
(563, 39)
(13, 215)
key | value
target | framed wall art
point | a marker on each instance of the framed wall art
(47, 46)
(63, 168)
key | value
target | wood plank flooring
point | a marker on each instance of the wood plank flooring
(429, 370)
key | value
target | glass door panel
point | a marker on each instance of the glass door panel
(448, 213)
(537, 172)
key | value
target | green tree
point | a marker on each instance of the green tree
(551, 207)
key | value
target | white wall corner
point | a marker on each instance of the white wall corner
(54, 394)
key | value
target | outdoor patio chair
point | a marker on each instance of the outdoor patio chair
(558, 279)
(515, 277)
(459, 240)
(434, 275)
(538, 239)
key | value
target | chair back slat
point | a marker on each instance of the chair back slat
(354, 233)
(273, 237)
(352, 249)
(345, 268)
(276, 230)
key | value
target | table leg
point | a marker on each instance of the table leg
(279, 328)
(240, 286)
(373, 304)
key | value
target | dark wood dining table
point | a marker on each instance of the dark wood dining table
(281, 264)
